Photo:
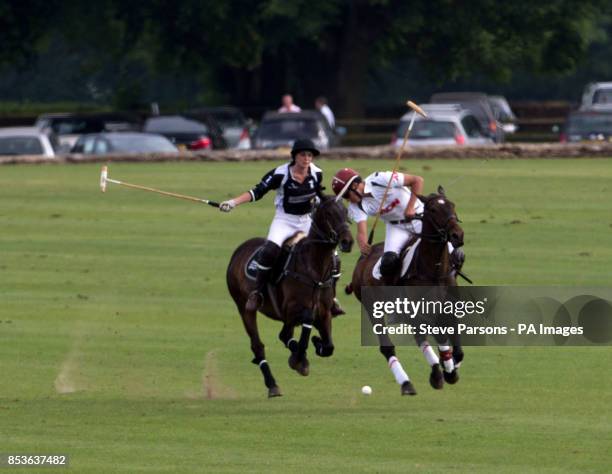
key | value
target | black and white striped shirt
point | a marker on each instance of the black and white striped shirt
(292, 197)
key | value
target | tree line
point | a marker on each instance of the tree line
(248, 53)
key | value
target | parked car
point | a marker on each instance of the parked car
(187, 133)
(597, 96)
(280, 130)
(585, 126)
(122, 142)
(479, 105)
(445, 125)
(236, 128)
(68, 127)
(26, 141)
(503, 113)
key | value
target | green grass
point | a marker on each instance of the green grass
(120, 301)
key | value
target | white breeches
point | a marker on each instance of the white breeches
(285, 225)
(398, 235)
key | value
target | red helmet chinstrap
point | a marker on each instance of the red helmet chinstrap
(343, 179)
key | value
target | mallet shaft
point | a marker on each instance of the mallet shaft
(165, 193)
(398, 156)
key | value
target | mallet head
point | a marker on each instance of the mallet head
(103, 176)
(416, 108)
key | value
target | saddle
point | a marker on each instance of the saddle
(250, 268)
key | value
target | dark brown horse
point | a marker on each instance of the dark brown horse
(304, 294)
(430, 266)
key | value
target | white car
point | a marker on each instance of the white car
(25, 141)
(597, 96)
(445, 125)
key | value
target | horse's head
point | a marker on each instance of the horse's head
(440, 220)
(330, 223)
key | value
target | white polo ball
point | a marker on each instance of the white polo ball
(366, 390)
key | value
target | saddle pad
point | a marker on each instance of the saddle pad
(250, 269)
(408, 256)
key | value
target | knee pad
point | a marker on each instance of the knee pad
(389, 264)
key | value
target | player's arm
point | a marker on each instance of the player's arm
(362, 237)
(415, 183)
(268, 182)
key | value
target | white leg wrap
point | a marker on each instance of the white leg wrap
(449, 365)
(429, 354)
(398, 371)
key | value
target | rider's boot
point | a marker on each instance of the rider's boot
(389, 268)
(336, 309)
(265, 262)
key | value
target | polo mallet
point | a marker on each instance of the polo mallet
(104, 179)
(416, 110)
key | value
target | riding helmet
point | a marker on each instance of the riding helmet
(304, 145)
(343, 179)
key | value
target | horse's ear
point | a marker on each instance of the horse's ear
(422, 198)
(441, 191)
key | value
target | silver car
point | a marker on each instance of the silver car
(26, 141)
(122, 142)
(597, 96)
(445, 125)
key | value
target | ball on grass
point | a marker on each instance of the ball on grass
(366, 390)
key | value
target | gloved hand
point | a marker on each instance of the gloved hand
(227, 206)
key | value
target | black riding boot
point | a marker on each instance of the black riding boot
(336, 309)
(265, 262)
(390, 267)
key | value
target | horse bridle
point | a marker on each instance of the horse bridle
(333, 236)
(440, 235)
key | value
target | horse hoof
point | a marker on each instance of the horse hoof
(408, 388)
(301, 365)
(436, 379)
(451, 377)
(274, 392)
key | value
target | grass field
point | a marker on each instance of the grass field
(120, 346)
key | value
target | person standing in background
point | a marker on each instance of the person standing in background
(288, 105)
(323, 108)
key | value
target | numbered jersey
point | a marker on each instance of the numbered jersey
(292, 197)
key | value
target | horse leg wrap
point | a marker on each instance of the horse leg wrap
(265, 370)
(321, 349)
(446, 356)
(458, 355)
(398, 371)
(307, 320)
(387, 351)
(292, 345)
(430, 355)
(287, 340)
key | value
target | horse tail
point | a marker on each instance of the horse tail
(348, 289)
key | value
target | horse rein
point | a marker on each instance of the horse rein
(332, 238)
(441, 232)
